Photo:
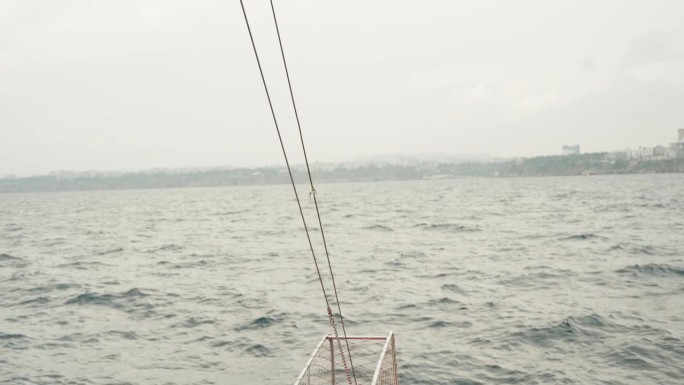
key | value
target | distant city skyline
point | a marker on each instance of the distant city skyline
(131, 85)
(375, 158)
(392, 158)
(381, 158)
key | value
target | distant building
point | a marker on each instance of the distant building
(677, 148)
(618, 155)
(63, 174)
(660, 152)
(571, 150)
(644, 152)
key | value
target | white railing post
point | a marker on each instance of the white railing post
(332, 361)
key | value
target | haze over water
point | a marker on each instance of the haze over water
(575, 280)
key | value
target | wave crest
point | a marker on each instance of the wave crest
(653, 269)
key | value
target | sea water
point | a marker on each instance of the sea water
(572, 280)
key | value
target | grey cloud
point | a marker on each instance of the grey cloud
(139, 84)
(655, 46)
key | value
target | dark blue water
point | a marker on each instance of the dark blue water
(484, 281)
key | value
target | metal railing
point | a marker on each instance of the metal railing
(375, 362)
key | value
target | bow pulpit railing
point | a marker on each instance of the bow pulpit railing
(374, 362)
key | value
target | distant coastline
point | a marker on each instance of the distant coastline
(556, 165)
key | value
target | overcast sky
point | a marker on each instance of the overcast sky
(137, 84)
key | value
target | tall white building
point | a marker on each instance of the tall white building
(678, 147)
(571, 150)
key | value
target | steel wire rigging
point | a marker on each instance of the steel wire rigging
(350, 373)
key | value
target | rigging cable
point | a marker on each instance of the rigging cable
(287, 163)
(313, 193)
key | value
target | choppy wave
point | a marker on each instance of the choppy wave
(7, 257)
(453, 288)
(13, 227)
(580, 329)
(640, 249)
(117, 301)
(194, 322)
(653, 269)
(262, 322)
(167, 247)
(447, 227)
(51, 287)
(110, 251)
(494, 281)
(583, 237)
(258, 350)
(378, 228)
(4, 336)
